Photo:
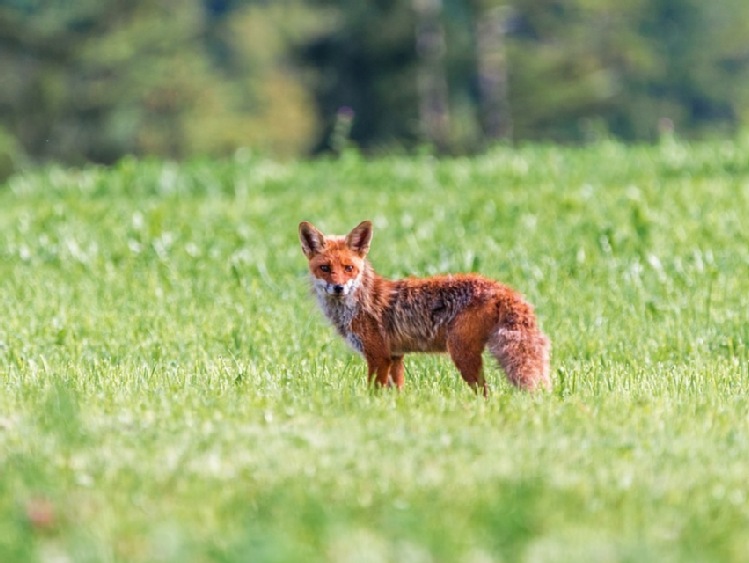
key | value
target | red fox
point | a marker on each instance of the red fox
(384, 319)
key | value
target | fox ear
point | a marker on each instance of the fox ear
(359, 238)
(312, 240)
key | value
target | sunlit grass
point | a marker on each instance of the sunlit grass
(170, 392)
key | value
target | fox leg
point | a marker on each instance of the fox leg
(465, 343)
(378, 369)
(376, 351)
(396, 371)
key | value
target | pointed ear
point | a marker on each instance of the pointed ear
(312, 240)
(359, 238)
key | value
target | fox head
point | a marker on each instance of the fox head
(336, 262)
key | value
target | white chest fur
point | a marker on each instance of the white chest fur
(340, 310)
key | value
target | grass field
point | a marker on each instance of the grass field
(169, 391)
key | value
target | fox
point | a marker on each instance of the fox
(461, 314)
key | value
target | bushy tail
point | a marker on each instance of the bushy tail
(523, 353)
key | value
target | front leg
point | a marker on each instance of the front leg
(378, 370)
(396, 371)
(375, 349)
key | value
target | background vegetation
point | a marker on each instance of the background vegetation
(168, 390)
(95, 80)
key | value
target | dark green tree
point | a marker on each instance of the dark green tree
(94, 80)
(365, 65)
(565, 70)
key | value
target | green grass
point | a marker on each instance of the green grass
(169, 391)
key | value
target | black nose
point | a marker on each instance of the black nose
(338, 288)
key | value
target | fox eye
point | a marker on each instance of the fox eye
(325, 268)
(348, 268)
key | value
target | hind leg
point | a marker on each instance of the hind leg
(470, 367)
(465, 344)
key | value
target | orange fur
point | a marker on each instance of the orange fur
(459, 314)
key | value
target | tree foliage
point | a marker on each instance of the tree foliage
(98, 79)
(575, 69)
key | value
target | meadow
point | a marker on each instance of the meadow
(169, 391)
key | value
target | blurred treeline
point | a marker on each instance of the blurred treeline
(93, 80)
